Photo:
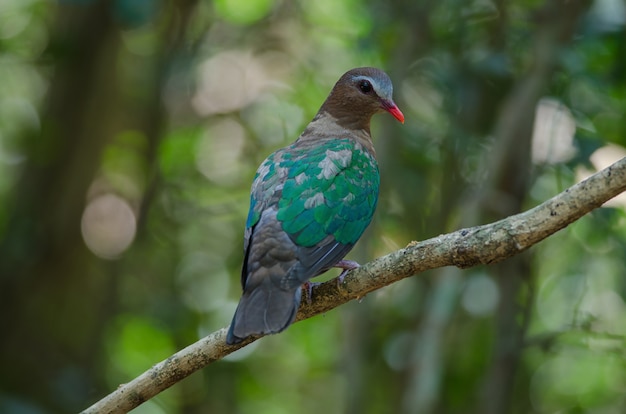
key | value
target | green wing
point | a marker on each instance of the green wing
(331, 189)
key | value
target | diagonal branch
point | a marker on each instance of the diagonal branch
(463, 248)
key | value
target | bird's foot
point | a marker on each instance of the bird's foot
(308, 288)
(346, 265)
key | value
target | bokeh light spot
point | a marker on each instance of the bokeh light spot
(553, 133)
(219, 152)
(108, 226)
(480, 296)
(243, 11)
(228, 82)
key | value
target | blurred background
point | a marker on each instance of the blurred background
(130, 131)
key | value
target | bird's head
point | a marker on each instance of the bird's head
(358, 95)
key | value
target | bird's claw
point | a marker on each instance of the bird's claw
(308, 288)
(346, 265)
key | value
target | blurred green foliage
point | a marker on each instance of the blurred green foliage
(129, 135)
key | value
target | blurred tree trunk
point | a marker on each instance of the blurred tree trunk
(474, 101)
(56, 337)
(509, 172)
(510, 179)
(48, 278)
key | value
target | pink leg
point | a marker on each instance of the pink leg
(346, 265)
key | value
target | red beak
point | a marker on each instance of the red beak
(392, 108)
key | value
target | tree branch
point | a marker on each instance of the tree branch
(463, 248)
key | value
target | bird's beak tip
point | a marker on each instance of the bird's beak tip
(393, 109)
(397, 113)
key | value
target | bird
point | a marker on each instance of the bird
(310, 202)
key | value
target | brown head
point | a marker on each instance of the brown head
(358, 95)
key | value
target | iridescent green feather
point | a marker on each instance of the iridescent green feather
(311, 205)
(349, 197)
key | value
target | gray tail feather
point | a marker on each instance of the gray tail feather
(264, 310)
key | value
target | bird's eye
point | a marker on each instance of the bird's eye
(365, 86)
